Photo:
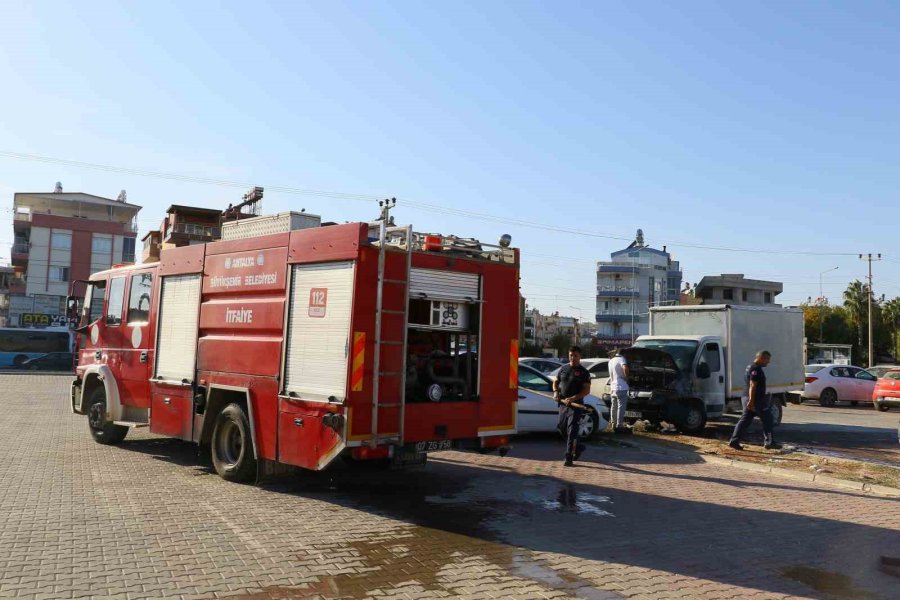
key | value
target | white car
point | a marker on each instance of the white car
(544, 365)
(599, 370)
(538, 411)
(838, 383)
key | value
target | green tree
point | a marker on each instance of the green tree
(561, 342)
(890, 313)
(856, 303)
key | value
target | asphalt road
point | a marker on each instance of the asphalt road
(855, 431)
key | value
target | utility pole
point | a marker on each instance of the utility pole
(869, 257)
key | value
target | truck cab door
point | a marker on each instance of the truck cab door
(709, 378)
(137, 354)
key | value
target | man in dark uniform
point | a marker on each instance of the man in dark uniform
(573, 383)
(758, 404)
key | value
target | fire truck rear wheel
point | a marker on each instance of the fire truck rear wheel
(102, 430)
(232, 445)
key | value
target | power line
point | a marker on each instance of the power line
(414, 204)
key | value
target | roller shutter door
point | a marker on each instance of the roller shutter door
(318, 343)
(179, 308)
(443, 285)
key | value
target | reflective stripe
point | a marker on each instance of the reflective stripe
(359, 361)
(514, 364)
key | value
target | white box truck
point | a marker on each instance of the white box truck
(691, 366)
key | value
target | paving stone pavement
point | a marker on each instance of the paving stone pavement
(149, 519)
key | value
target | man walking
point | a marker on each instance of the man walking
(573, 383)
(757, 404)
(618, 387)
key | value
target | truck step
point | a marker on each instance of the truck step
(132, 424)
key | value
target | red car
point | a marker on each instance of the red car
(887, 391)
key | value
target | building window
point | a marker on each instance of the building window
(61, 240)
(728, 294)
(101, 245)
(128, 249)
(768, 297)
(744, 295)
(59, 274)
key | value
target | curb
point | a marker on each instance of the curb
(857, 486)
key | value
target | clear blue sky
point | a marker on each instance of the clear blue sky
(751, 125)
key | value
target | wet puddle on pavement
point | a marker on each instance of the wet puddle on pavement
(832, 585)
(450, 538)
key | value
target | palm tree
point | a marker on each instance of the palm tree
(890, 312)
(856, 301)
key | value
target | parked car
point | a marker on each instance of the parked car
(599, 370)
(887, 391)
(538, 411)
(879, 370)
(544, 365)
(830, 384)
(52, 361)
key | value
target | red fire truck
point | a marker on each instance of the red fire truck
(368, 341)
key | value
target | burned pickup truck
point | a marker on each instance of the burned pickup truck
(660, 391)
(691, 366)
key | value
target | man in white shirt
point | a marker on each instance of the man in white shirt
(618, 386)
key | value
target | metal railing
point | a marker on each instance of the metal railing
(21, 248)
(194, 229)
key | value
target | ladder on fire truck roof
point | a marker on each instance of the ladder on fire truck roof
(400, 238)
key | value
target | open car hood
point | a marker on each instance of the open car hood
(650, 359)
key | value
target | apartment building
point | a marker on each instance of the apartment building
(60, 237)
(734, 288)
(634, 279)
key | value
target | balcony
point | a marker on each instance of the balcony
(615, 268)
(618, 291)
(19, 253)
(618, 315)
(193, 231)
(17, 285)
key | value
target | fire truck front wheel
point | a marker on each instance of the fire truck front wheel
(103, 431)
(232, 446)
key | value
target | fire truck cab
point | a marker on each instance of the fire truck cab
(362, 340)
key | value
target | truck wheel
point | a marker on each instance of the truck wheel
(103, 431)
(691, 418)
(882, 407)
(232, 445)
(588, 425)
(854, 403)
(19, 359)
(777, 411)
(828, 397)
